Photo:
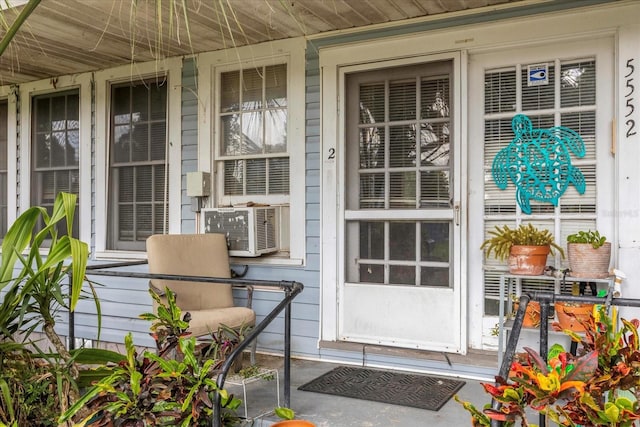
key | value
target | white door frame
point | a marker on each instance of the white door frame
(333, 181)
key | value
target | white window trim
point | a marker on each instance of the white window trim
(7, 93)
(48, 86)
(210, 65)
(172, 68)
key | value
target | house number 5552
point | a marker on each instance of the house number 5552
(630, 105)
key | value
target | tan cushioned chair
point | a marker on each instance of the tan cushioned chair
(210, 304)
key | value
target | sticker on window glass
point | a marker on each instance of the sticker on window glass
(538, 75)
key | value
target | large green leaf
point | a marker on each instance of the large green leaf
(96, 356)
(6, 397)
(69, 207)
(79, 257)
(15, 242)
(89, 377)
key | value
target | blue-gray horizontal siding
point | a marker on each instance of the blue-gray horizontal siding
(189, 140)
(122, 300)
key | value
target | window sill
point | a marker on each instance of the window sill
(120, 255)
(281, 259)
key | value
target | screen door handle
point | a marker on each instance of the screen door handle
(456, 213)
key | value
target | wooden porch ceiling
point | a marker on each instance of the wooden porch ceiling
(72, 36)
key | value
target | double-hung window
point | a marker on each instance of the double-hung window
(252, 120)
(251, 135)
(55, 136)
(138, 194)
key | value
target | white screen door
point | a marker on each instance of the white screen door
(401, 267)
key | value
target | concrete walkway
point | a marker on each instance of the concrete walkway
(334, 411)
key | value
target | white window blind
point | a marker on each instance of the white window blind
(568, 102)
(55, 149)
(138, 187)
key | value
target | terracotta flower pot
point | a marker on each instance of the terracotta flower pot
(531, 316)
(585, 261)
(528, 260)
(581, 312)
(293, 423)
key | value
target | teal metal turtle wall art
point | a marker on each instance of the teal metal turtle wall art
(538, 163)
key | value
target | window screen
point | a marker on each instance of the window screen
(137, 184)
(399, 159)
(56, 149)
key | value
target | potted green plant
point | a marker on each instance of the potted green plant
(38, 254)
(525, 248)
(599, 387)
(172, 386)
(589, 254)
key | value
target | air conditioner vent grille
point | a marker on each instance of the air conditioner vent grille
(265, 229)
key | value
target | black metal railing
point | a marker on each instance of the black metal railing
(545, 299)
(290, 288)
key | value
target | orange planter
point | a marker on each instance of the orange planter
(580, 312)
(532, 315)
(528, 260)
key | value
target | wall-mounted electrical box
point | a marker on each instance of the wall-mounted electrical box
(198, 184)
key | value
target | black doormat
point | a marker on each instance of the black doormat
(415, 390)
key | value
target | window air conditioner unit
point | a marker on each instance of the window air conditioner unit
(250, 231)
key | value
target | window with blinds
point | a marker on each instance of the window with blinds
(567, 100)
(138, 153)
(253, 131)
(4, 115)
(55, 154)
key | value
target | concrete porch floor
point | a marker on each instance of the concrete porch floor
(335, 411)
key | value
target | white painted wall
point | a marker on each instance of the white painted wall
(627, 209)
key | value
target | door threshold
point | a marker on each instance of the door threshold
(479, 358)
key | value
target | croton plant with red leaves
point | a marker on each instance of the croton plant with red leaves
(598, 387)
